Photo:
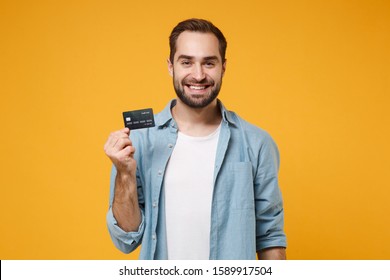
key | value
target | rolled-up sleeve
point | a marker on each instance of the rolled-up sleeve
(124, 241)
(268, 199)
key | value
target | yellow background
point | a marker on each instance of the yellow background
(315, 74)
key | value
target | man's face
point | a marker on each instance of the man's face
(197, 68)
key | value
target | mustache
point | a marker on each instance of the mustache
(205, 81)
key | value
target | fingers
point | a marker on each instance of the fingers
(126, 153)
(120, 150)
(117, 141)
(120, 142)
(125, 130)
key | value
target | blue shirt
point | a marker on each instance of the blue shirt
(247, 209)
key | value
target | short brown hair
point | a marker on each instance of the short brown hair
(197, 25)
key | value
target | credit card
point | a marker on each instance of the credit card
(139, 119)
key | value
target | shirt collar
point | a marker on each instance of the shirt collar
(165, 116)
(227, 116)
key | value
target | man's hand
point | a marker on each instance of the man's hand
(125, 205)
(120, 150)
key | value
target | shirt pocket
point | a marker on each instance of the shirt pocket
(237, 186)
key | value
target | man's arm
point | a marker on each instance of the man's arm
(125, 206)
(275, 253)
(270, 236)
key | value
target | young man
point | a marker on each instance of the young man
(202, 183)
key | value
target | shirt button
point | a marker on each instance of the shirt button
(170, 146)
(154, 204)
(154, 237)
(160, 172)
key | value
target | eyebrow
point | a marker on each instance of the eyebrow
(213, 57)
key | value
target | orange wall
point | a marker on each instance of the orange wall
(315, 74)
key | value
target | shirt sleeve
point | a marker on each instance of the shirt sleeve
(124, 241)
(268, 199)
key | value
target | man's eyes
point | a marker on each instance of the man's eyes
(208, 64)
(185, 62)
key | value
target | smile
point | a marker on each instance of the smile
(197, 87)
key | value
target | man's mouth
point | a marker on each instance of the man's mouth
(194, 87)
(198, 88)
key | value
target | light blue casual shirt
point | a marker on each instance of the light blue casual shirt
(247, 209)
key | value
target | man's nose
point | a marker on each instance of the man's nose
(199, 73)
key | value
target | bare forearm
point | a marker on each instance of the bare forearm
(275, 253)
(125, 205)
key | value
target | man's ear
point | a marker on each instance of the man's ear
(224, 68)
(170, 67)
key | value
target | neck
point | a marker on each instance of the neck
(197, 121)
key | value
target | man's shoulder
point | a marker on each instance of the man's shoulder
(258, 141)
(247, 127)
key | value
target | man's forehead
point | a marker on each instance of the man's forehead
(197, 44)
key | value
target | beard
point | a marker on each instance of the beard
(197, 100)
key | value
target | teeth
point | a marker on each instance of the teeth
(197, 87)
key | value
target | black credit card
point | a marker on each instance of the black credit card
(139, 119)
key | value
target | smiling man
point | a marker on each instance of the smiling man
(202, 183)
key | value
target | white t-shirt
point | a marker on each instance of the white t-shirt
(188, 187)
